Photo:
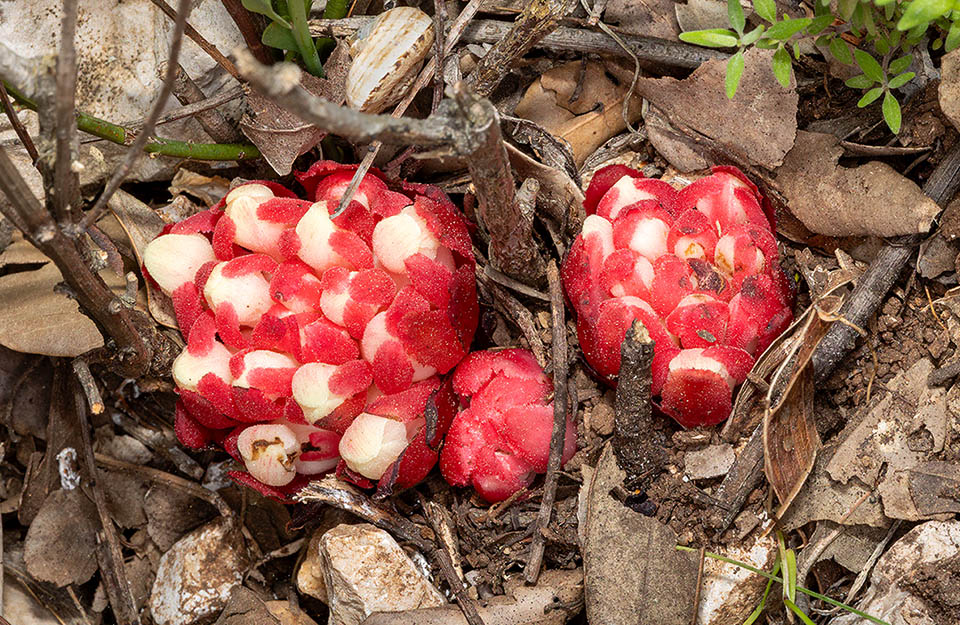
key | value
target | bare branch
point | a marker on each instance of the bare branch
(136, 148)
(281, 82)
(199, 39)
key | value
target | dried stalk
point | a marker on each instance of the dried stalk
(197, 38)
(558, 435)
(211, 120)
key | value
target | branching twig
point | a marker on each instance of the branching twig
(281, 82)
(558, 436)
(133, 153)
(197, 38)
(94, 295)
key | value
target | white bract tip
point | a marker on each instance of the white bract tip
(189, 368)
(249, 294)
(314, 230)
(263, 359)
(372, 443)
(311, 389)
(397, 238)
(173, 259)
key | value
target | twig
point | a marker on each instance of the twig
(443, 554)
(88, 385)
(111, 558)
(506, 281)
(61, 180)
(558, 436)
(249, 30)
(512, 249)
(133, 153)
(197, 38)
(538, 19)
(633, 441)
(517, 314)
(281, 82)
(664, 52)
(332, 492)
(94, 295)
(200, 106)
(212, 121)
(18, 127)
(168, 479)
(873, 285)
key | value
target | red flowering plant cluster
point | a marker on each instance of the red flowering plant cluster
(698, 267)
(317, 341)
(500, 439)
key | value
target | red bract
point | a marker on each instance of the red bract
(501, 437)
(699, 268)
(315, 342)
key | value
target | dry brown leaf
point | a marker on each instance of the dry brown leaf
(37, 320)
(142, 224)
(207, 189)
(579, 103)
(282, 136)
(790, 440)
(653, 18)
(935, 487)
(61, 543)
(872, 199)
(758, 125)
(558, 194)
(950, 87)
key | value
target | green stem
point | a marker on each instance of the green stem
(165, 147)
(301, 34)
(805, 591)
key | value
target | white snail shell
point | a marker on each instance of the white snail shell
(386, 60)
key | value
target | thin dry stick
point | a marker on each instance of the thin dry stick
(111, 565)
(168, 479)
(281, 82)
(558, 436)
(564, 39)
(18, 127)
(199, 39)
(443, 554)
(538, 19)
(88, 385)
(136, 148)
(65, 187)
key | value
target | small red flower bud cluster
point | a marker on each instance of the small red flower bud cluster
(500, 439)
(698, 267)
(316, 341)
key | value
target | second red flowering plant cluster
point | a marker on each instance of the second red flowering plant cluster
(320, 342)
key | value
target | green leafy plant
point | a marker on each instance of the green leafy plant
(890, 29)
(289, 31)
(773, 578)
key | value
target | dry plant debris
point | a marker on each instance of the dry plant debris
(505, 107)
